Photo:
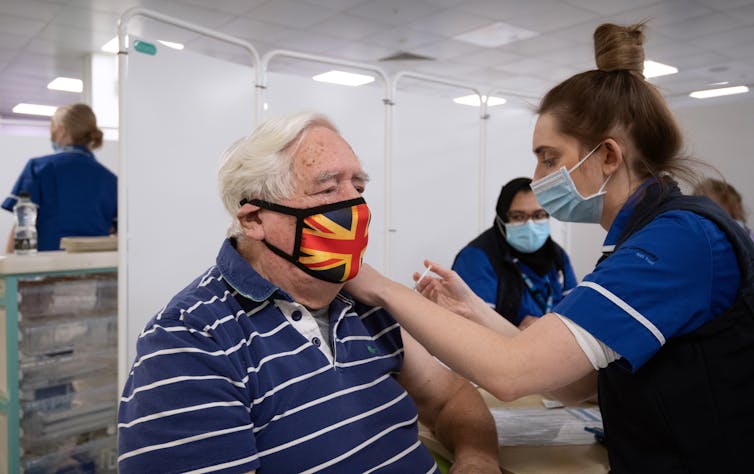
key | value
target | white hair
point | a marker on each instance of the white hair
(258, 166)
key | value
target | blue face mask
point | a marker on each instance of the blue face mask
(557, 194)
(529, 236)
(56, 147)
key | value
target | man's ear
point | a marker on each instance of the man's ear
(251, 224)
(614, 157)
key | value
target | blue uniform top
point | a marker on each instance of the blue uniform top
(666, 280)
(233, 376)
(473, 266)
(76, 195)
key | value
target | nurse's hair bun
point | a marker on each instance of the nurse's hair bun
(619, 48)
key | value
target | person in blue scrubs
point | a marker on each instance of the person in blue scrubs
(662, 329)
(75, 194)
(727, 197)
(514, 266)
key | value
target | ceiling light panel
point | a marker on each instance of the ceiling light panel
(496, 34)
(344, 78)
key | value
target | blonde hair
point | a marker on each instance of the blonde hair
(81, 125)
(258, 166)
(724, 195)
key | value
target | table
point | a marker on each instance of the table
(572, 459)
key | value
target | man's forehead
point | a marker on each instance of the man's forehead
(323, 151)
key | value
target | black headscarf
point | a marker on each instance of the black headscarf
(543, 259)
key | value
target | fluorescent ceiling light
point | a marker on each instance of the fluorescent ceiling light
(496, 34)
(170, 44)
(67, 84)
(655, 69)
(111, 46)
(344, 78)
(706, 94)
(473, 99)
(35, 109)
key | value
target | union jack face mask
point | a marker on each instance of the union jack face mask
(330, 239)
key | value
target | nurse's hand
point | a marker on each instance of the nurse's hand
(368, 286)
(448, 290)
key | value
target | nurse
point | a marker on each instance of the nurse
(76, 195)
(663, 328)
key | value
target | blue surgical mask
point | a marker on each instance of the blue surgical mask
(557, 194)
(56, 147)
(529, 236)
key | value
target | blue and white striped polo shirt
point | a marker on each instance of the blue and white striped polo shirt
(231, 377)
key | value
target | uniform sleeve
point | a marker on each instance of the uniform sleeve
(569, 277)
(185, 406)
(26, 182)
(657, 285)
(475, 268)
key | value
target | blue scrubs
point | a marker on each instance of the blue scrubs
(475, 268)
(76, 195)
(675, 274)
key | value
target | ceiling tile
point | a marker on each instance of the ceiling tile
(449, 23)
(235, 7)
(349, 27)
(724, 4)
(362, 52)
(31, 9)
(20, 26)
(309, 43)
(661, 13)
(446, 49)
(254, 30)
(82, 18)
(542, 44)
(495, 10)
(609, 7)
(725, 41)
(394, 12)
(489, 57)
(401, 39)
(338, 5)
(291, 14)
(86, 41)
(688, 62)
(546, 16)
(701, 25)
(189, 13)
(12, 42)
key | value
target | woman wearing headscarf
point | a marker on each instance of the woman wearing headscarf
(515, 266)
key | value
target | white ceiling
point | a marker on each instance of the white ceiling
(709, 41)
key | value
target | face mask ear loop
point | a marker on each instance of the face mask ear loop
(604, 185)
(584, 159)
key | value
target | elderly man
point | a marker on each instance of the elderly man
(263, 364)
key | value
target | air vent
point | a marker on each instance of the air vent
(406, 56)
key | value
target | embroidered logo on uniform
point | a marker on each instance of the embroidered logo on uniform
(372, 349)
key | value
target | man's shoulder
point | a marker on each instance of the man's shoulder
(201, 302)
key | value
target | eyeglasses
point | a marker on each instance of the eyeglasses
(519, 217)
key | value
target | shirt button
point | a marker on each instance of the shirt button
(316, 341)
(296, 315)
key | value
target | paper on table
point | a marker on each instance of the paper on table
(545, 427)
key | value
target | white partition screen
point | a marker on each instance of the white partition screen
(182, 110)
(434, 183)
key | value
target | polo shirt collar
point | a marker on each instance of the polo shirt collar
(242, 276)
(616, 228)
